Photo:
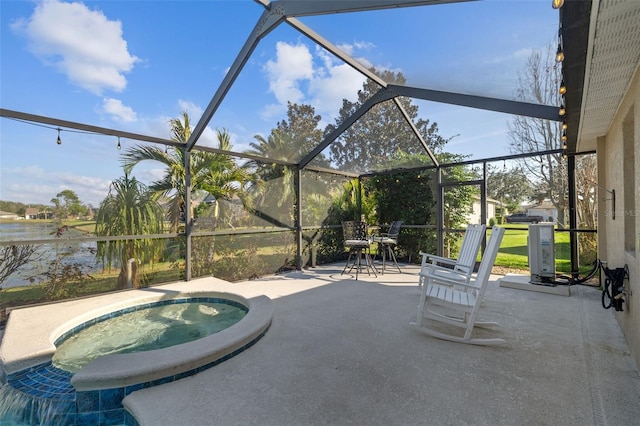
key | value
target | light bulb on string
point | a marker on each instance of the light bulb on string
(59, 141)
(119, 146)
(559, 54)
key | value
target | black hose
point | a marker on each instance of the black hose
(606, 294)
(572, 281)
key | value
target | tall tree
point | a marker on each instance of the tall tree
(130, 208)
(301, 129)
(290, 140)
(66, 203)
(381, 132)
(538, 82)
(509, 186)
(274, 195)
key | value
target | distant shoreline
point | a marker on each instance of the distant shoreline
(59, 237)
(85, 226)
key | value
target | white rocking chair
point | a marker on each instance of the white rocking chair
(456, 300)
(465, 262)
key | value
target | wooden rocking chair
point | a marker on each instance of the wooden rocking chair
(456, 300)
(465, 262)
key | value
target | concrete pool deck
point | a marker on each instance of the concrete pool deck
(341, 351)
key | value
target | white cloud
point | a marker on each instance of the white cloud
(524, 53)
(350, 49)
(33, 184)
(194, 111)
(519, 55)
(335, 82)
(293, 64)
(294, 77)
(118, 111)
(81, 43)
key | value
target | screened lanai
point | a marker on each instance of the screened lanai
(318, 100)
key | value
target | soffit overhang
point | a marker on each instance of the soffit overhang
(601, 40)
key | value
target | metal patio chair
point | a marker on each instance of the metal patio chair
(387, 241)
(356, 239)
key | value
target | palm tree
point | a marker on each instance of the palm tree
(212, 172)
(130, 208)
(277, 147)
(222, 177)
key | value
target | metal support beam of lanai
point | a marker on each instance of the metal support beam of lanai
(33, 118)
(480, 102)
(380, 96)
(299, 223)
(326, 7)
(267, 22)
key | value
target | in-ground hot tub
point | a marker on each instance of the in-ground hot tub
(100, 386)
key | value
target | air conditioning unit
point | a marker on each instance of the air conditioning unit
(542, 253)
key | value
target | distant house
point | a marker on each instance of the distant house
(31, 213)
(494, 208)
(545, 209)
(8, 215)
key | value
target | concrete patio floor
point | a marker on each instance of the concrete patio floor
(342, 352)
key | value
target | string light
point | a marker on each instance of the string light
(59, 141)
(562, 110)
(557, 4)
(563, 88)
(565, 126)
(560, 51)
(119, 146)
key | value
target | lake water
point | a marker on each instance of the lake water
(69, 252)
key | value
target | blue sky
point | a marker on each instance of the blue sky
(133, 65)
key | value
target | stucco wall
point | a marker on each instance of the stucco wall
(476, 213)
(612, 231)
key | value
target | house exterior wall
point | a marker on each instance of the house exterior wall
(611, 232)
(549, 215)
(476, 212)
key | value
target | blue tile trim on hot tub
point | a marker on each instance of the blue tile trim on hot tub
(99, 396)
(47, 383)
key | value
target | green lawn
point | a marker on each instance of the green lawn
(513, 250)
